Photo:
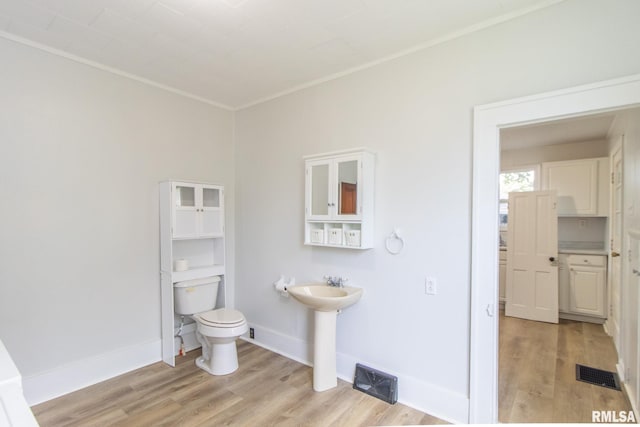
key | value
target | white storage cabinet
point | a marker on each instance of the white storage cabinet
(503, 275)
(587, 284)
(339, 190)
(191, 229)
(583, 286)
(582, 186)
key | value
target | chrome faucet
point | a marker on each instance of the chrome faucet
(337, 282)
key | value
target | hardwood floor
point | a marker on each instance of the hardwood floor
(537, 379)
(267, 389)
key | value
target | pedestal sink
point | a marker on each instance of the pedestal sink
(325, 301)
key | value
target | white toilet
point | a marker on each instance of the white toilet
(217, 330)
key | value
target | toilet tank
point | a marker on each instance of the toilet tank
(195, 296)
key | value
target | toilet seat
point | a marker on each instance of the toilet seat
(221, 318)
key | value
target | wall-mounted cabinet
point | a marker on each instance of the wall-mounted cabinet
(198, 210)
(582, 186)
(192, 231)
(339, 190)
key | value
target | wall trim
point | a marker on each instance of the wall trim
(79, 374)
(102, 67)
(415, 393)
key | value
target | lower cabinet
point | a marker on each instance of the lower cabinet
(563, 283)
(503, 275)
(582, 280)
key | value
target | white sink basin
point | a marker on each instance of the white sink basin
(321, 297)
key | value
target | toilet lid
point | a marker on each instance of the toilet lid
(222, 316)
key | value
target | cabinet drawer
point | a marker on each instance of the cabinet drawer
(592, 260)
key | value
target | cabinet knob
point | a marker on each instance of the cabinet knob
(552, 258)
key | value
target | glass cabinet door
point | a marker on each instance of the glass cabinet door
(185, 211)
(319, 203)
(347, 191)
(211, 212)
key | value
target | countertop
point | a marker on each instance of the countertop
(575, 251)
(583, 251)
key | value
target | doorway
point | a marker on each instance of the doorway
(537, 360)
(488, 120)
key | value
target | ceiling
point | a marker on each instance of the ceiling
(237, 52)
(586, 128)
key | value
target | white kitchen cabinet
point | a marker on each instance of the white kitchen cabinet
(563, 283)
(339, 190)
(581, 185)
(503, 276)
(191, 230)
(197, 210)
(587, 285)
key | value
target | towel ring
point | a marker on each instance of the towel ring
(394, 243)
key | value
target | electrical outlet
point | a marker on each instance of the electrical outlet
(252, 334)
(430, 286)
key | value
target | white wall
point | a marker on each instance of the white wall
(415, 112)
(81, 155)
(554, 153)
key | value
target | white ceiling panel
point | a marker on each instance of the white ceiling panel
(236, 52)
(26, 13)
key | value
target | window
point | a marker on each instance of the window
(521, 179)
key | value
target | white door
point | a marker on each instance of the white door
(532, 254)
(630, 327)
(613, 321)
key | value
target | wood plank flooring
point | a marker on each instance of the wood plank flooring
(537, 380)
(267, 390)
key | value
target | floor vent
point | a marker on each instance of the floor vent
(375, 383)
(597, 377)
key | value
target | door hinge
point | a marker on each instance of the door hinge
(612, 180)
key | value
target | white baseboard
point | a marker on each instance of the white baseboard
(48, 385)
(622, 376)
(285, 345)
(417, 394)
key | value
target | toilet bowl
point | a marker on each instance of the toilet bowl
(216, 330)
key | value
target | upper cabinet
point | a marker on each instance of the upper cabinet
(198, 210)
(334, 188)
(582, 186)
(339, 199)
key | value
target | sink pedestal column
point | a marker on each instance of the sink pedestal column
(324, 351)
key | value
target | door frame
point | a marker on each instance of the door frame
(488, 120)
